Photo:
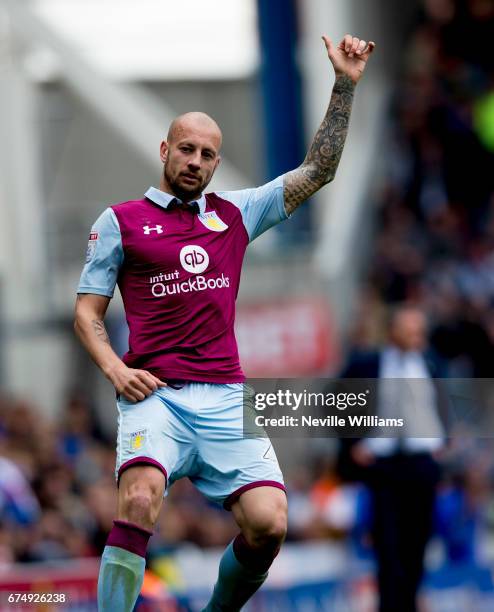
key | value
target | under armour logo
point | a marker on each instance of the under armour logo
(157, 228)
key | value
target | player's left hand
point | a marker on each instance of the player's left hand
(350, 56)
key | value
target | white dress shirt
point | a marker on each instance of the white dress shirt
(415, 402)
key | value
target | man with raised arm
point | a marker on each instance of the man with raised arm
(176, 255)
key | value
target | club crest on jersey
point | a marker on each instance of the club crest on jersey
(212, 221)
(137, 439)
(148, 229)
(91, 246)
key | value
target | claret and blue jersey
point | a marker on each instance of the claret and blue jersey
(178, 271)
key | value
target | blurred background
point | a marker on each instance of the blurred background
(88, 88)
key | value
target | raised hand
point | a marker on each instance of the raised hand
(321, 162)
(350, 57)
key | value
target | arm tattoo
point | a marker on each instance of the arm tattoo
(100, 330)
(320, 165)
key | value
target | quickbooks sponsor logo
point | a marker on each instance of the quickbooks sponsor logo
(198, 283)
(194, 259)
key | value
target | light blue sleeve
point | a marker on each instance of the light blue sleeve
(261, 207)
(104, 256)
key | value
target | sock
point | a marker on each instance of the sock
(122, 567)
(242, 572)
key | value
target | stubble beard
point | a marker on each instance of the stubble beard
(182, 193)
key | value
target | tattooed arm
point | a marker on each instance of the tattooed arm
(100, 330)
(319, 167)
(90, 311)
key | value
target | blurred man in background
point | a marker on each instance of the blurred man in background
(402, 473)
(179, 388)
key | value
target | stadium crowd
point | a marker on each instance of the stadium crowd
(57, 495)
(57, 492)
(435, 226)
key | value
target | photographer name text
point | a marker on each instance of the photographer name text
(288, 421)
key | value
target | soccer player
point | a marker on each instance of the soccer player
(176, 255)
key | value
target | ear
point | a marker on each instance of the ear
(163, 151)
(218, 161)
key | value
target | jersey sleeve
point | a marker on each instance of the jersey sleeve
(261, 207)
(104, 256)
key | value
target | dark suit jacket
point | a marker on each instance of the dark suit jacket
(366, 365)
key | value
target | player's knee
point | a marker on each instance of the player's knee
(140, 504)
(137, 507)
(268, 530)
(275, 530)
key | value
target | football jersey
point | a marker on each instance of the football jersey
(178, 270)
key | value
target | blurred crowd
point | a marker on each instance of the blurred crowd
(435, 225)
(58, 496)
